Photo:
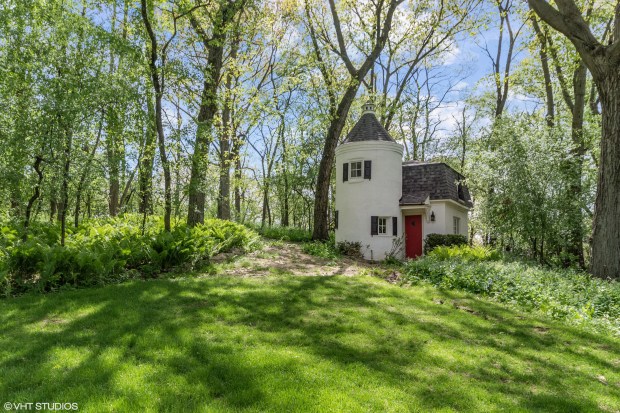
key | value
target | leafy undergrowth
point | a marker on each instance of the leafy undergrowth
(322, 249)
(569, 295)
(110, 250)
(283, 233)
(338, 344)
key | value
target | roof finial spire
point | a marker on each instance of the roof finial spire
(369, 106)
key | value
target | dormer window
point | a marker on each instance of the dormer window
(356, 169)
(461, 193)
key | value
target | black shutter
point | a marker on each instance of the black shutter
(367, 167)
(336, 220)
(374, 225)
(394, 226)
(345, 172)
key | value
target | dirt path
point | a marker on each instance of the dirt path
(288, 258)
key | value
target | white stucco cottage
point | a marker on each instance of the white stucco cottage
(380, 198)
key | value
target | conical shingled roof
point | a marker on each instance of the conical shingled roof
(368, 128)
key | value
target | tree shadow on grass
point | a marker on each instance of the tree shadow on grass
(282, 344)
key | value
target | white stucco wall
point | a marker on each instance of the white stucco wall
(359, 199)
(451, 211)
(438, 226)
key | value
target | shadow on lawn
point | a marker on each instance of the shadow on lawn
(186, 344)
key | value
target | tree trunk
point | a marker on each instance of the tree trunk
(53, 204)
(158, 87)
(321, 229)
(226, 135)
(605, 261)
(266, 212)
(238, 176)
(285, 206)
(164, 161)
(145, 173)
(208, 107)
(544, 62)
(88, 206)
(575, 169)
(65, 186)
(113, 163)
(196, 193)
(112, 126)
(85, 172)
(223, 199)
(35, 195)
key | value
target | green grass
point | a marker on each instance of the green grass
(296, 344)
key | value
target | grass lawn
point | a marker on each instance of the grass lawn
(296, 344)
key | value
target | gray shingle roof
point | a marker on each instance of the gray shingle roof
(437, 180)
(368, 128)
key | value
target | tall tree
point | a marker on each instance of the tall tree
(157, 67)
(214, 45)
(603, 61)
(383, 15)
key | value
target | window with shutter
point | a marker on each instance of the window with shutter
(345, 172)
(395, 226)
(382, 226)
(356, 169)
(374, 225)
(367, 169)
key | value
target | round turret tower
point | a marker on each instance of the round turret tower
(368, 187)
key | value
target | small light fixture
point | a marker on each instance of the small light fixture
(432, 216)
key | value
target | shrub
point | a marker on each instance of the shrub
(321, 249)
(283, 233)
(435, 240)
(465, 253)
(111, 250)
(350, 248)
(563, 294)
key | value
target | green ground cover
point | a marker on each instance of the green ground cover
(565, 294)
(110, 250)
(286, 343)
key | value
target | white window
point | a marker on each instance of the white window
(382, 226)
(356, 169)
(456, 225)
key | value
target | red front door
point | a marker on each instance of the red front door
(413, 234)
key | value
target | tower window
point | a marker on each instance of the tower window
(356, 169)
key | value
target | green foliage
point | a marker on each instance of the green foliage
(525, 200)
(465, 253)
(350, 248)
(283, 233)
(435, 240)
(563, 294)
(111, 250)
(392, 261)
(322, 249)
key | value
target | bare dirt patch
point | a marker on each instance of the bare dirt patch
(289, 258)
